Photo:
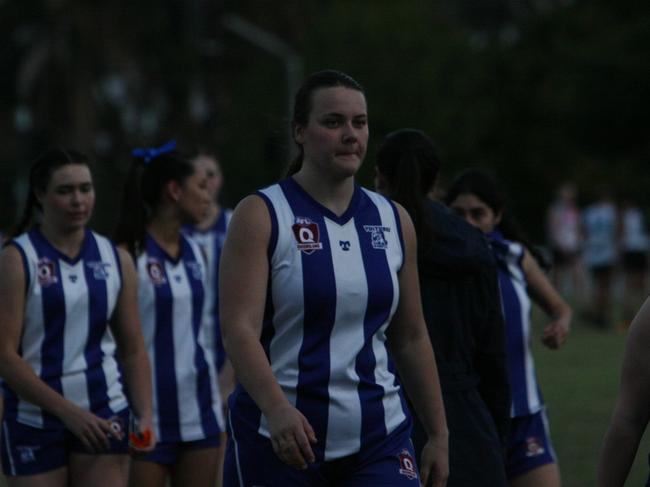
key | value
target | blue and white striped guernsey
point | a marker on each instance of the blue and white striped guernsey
(186, 399)
(211, 242)
(526, 395)
(65, 339)
(333, 292)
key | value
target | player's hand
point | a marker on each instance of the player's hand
(142, 437)
(291, 436)
(93, 432)
(555, 333)
(434, 462)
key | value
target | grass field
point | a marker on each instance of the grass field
(580, 384)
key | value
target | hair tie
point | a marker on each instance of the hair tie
(149, 154)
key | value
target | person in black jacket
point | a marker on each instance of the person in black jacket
(460, 298)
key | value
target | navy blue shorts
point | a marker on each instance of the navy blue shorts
(167, 452)
(27, 450)
(529, 444)
(250, 461)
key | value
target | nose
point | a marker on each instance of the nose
(349, 132)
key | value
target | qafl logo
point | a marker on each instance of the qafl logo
(307, 235)
(407, 465)
(156, 272)
(46, 272)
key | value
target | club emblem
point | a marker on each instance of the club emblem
(46, 272)
(156, 272)
(307, 235)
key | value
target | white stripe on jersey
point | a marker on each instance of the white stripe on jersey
(285, 346)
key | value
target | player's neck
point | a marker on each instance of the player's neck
(166, 231)
(67, 242)
(335, 195)
(214, 212)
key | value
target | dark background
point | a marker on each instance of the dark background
(540, 91)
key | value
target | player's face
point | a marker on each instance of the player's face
(212, 173)
(336, 136)
(194, 198)
(69, 198)
(476, 212)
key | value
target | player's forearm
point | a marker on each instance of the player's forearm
(252, 369)
(30, 387)
(418, 372)
(137, 378)
(619, 448)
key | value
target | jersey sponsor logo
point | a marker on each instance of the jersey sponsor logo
(378, 239)
(345, 245)
(534, 447)
(196, 270)
(46, 272)
(407, 465)
(100, 269)
(73, 278)
(307, 235)
(156, 272)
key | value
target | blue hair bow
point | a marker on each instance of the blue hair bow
(149, 154)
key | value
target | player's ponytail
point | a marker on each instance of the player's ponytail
(151, 170)
(408, 162)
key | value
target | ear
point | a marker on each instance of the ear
(299, 134)
(173, 190)
(497, 218)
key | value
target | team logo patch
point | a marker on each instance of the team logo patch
(46, 272)
(345, 245)
(27, 454)
(196, 270)
(378, 239)
(156, 272)
(407, 465)
(100, 269)
(534, 447)
(307, 235)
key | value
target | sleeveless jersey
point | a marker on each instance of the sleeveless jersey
(333, 290)
(65, 338)
(517, 306)
(599, 222)
(211, 242)
(171, 298)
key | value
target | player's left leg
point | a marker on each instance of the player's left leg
(197, 464)
(98, 470)
(545, 476)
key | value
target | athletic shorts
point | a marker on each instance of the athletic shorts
(27, 450)
(529, 444)
(167, 452)
(251, 462)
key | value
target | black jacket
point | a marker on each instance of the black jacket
(462, 308)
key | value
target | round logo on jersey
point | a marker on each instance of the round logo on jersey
(46, 272)
(407, 465)
(156, 272)
(307, 235)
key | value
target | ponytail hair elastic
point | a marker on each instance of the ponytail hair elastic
(149, 154)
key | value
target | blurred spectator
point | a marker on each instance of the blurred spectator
(633, 244)
(563, 230)
(600, 253)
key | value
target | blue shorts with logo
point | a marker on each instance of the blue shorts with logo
(529, 444)
(250, 461)
(27, 450)
(168, 452)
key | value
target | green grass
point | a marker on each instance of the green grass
(580, 383)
